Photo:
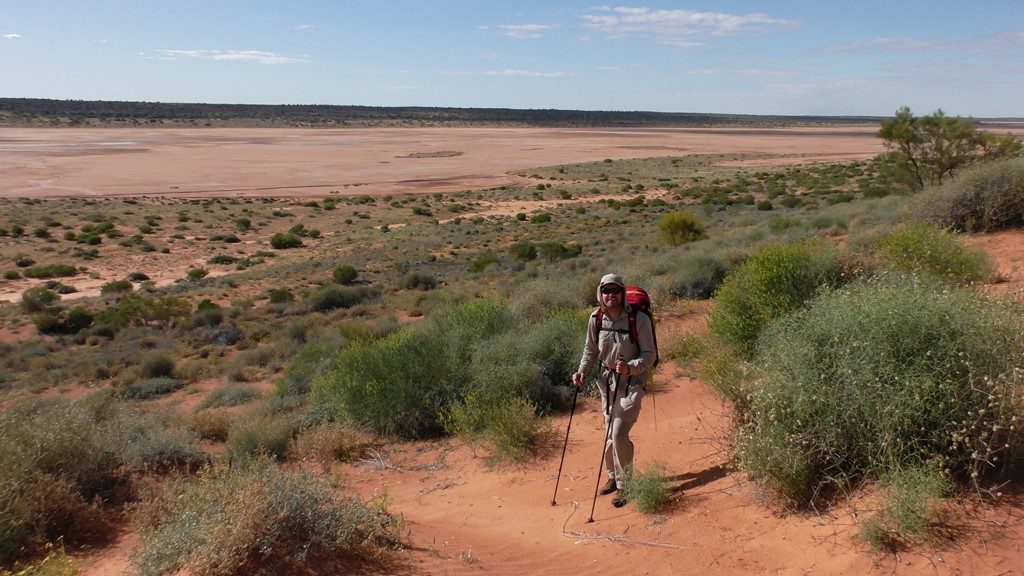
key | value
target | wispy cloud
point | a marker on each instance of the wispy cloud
(11, 36)
(520, 30)
(676, 27)
(506, 72)
(254, 56)
(306, 27)
(989, 43)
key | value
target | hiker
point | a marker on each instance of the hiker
(625, 359)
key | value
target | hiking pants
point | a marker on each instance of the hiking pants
(618, 452)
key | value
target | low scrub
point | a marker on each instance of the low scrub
(261, 435)
(63, 459)
(696, 277)
(231, 395)
(50, 271)
(333, 297)
(776, 280)
(984, 198)
(232, 520)
(929, 250)
(880, 376)
(149, 388)
(647, 490)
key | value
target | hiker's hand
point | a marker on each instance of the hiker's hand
(622, 367)
(577, 380)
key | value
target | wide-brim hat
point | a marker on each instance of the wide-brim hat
(612, 279)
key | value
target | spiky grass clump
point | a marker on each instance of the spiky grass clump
(926, 249)
(880, 376)
(910, 507)
(254, 514)
(647, 490)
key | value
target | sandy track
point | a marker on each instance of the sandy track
(109, 162)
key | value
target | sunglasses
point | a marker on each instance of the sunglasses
(611, 290)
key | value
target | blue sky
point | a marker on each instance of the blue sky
(786, 57)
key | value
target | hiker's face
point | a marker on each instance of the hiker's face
(611, 296)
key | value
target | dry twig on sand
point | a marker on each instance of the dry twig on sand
(618, 539)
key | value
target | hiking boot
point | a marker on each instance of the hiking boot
(619, 501)
(608, 487)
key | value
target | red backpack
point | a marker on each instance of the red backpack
(639, 301)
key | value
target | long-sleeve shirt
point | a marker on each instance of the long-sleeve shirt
(613, 340)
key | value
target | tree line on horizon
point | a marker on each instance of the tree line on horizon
(40, 111)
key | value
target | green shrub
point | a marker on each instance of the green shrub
(256, 516)
(774, 281)
(222, 259)
(401, 383)
(50, 271)
(678, 228)
(116, 287)
(149, 388)
(285, 240)
(552, 251)
(983, 198)
(541, 218)
(232, 395)
(418, 281)
(281, 296)
(330, 298)
(37, 299)
(11, 275)
(55, 563)
(304, 366)
(696, 277)
(157, 366)
(523, 251)
(195, 274)
(481, 262)
(23, 262)
(884, 375)
(535, 299)
(647, 490)
(345, 274)
(929, 250)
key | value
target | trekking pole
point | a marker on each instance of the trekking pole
(604, 445)
(558, 478)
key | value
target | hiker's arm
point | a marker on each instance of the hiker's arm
(645, 337)
(590, 349)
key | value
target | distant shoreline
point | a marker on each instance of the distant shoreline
(38, 113)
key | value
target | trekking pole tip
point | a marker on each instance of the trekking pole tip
(553, 503)
(591, 520)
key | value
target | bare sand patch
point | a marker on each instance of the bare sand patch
(251, 162)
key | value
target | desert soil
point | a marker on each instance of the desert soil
(111, 162)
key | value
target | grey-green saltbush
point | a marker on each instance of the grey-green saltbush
(986, 197)
(880, 375)
(696, 277)
(776, 280)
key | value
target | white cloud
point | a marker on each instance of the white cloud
(675, 26)
(306, 27)
(523, 30)
(11, 36)
(256, 56)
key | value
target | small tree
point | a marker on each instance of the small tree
(931, 148)
(681, 227)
